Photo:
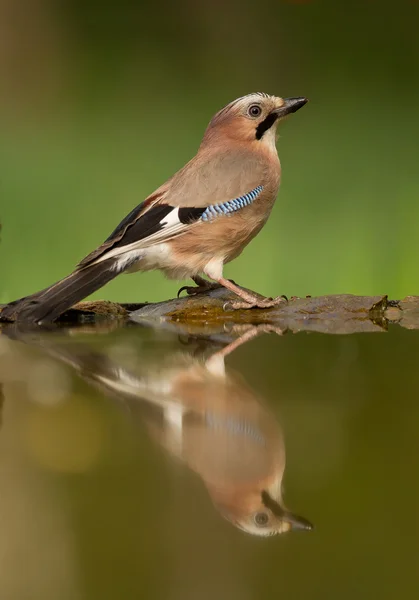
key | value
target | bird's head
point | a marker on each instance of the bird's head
(253, 118)
(262, 515)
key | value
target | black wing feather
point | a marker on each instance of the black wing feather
(146, 225)
(126, 222)
(189, 215)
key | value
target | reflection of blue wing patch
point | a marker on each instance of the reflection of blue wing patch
(235, 427)
(231, 206)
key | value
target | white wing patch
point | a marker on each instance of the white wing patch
(171, 226)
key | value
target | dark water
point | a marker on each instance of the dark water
(132, 465)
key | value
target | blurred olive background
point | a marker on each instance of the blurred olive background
(101, 102)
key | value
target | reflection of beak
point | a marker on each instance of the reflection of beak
(290, 105)
(294, 521)
(297, 522)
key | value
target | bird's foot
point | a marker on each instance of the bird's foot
(256, 303)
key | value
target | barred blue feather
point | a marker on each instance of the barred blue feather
(231, 206)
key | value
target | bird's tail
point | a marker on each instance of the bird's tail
(48, 304)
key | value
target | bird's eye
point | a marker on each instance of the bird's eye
(261, 519)
(254, 111)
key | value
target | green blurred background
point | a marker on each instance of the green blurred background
(101, 102)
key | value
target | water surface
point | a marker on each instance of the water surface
(137, 463)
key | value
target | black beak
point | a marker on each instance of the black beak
(297, 523)
(291, 105)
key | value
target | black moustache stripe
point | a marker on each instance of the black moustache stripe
(265, 125)
(271, 504)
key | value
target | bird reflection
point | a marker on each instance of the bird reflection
(209, 419)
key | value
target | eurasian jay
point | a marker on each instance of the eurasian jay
(196, 222)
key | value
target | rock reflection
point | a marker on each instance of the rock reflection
(208, 418)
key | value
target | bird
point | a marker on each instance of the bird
(196, 222)
(203, 415)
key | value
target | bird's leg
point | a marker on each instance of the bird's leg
(202, 285)
(250, 300)
(215, 363)
(249, 332)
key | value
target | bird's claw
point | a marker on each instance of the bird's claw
(183, 288)
(227, 306)
(192, 290)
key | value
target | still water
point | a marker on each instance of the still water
(140, 463)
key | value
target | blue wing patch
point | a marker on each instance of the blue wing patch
(231, 206)
(235, 427)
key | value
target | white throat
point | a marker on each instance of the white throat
(269, 138)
